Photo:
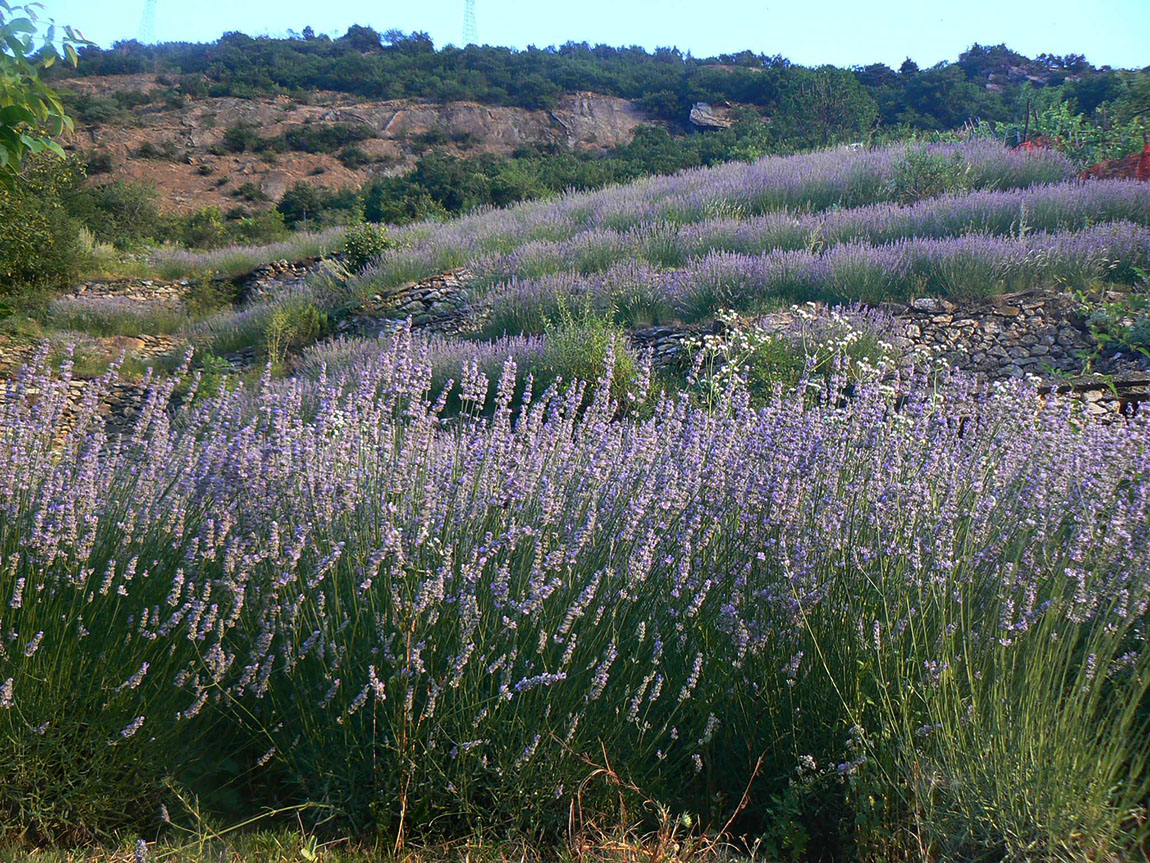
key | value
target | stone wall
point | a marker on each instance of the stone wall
(440, 303)
(137, 290)
(1031, 334)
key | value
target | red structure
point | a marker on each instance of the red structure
(1136, 166)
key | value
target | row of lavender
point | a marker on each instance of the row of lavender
(810, 183)
(928, 612)
(972, 265)
(1018, 212)
(807, 202)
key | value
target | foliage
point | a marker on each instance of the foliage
(826, 105)
(665, 82)
(1085, 141)
(822, 350)
(121, 212)
(309, 207)
(309, 138)
(291, 327)
(40, 244)
(927, 174)
(580, 343)
(31, 114)
(364, 243)
(1119, 322)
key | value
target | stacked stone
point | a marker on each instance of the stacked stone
(440, 303)
(1009, 336)
(273, 278)
(142, 290)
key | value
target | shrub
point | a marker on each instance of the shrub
(206, 294)
(577, 345)
(353, 157)
(40, 244)
(203, 229)
(121, 212)
(365, 242)
(308, 206)
(100, 162)
(836, 348)
(1140, 333)
(249, 192)
(257, 229)
(326, 137)
(923, 173)
(290, 328)
(242, 138)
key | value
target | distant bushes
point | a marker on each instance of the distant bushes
(307, 138)
(305, 206)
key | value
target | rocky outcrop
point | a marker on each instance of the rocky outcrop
(276, 278)
(705, 116)
(1008, 336)
(136, 290)
(1033, 335)
(196, 171)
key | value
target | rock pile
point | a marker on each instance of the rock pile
(440, 304)
(1028, 334)
(276, 278)
(137, 290)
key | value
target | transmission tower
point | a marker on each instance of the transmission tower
(148, 23)
(470, 30)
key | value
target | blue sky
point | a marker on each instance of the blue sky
(843, 32)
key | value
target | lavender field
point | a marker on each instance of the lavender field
(424, 591)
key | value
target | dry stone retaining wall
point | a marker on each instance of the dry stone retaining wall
(999, 338)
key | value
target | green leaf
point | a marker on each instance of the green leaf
(14, 114)
(55, 148)
(15, 45)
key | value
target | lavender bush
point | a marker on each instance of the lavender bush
(808, 183)
(923, 604)
(234, 261)
(1055, 208)
(965, 266)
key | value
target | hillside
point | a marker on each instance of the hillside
(182, 146)
(243, 140)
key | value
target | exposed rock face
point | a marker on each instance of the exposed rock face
(706, 117)
(590, 121)
(193, 176)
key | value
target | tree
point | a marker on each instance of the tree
(828, 104)
(31, 113)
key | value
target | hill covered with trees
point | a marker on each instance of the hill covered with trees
(985, 82)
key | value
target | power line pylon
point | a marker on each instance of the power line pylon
(470, 30)
(148, 23)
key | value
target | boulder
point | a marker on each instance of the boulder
(706, 117)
